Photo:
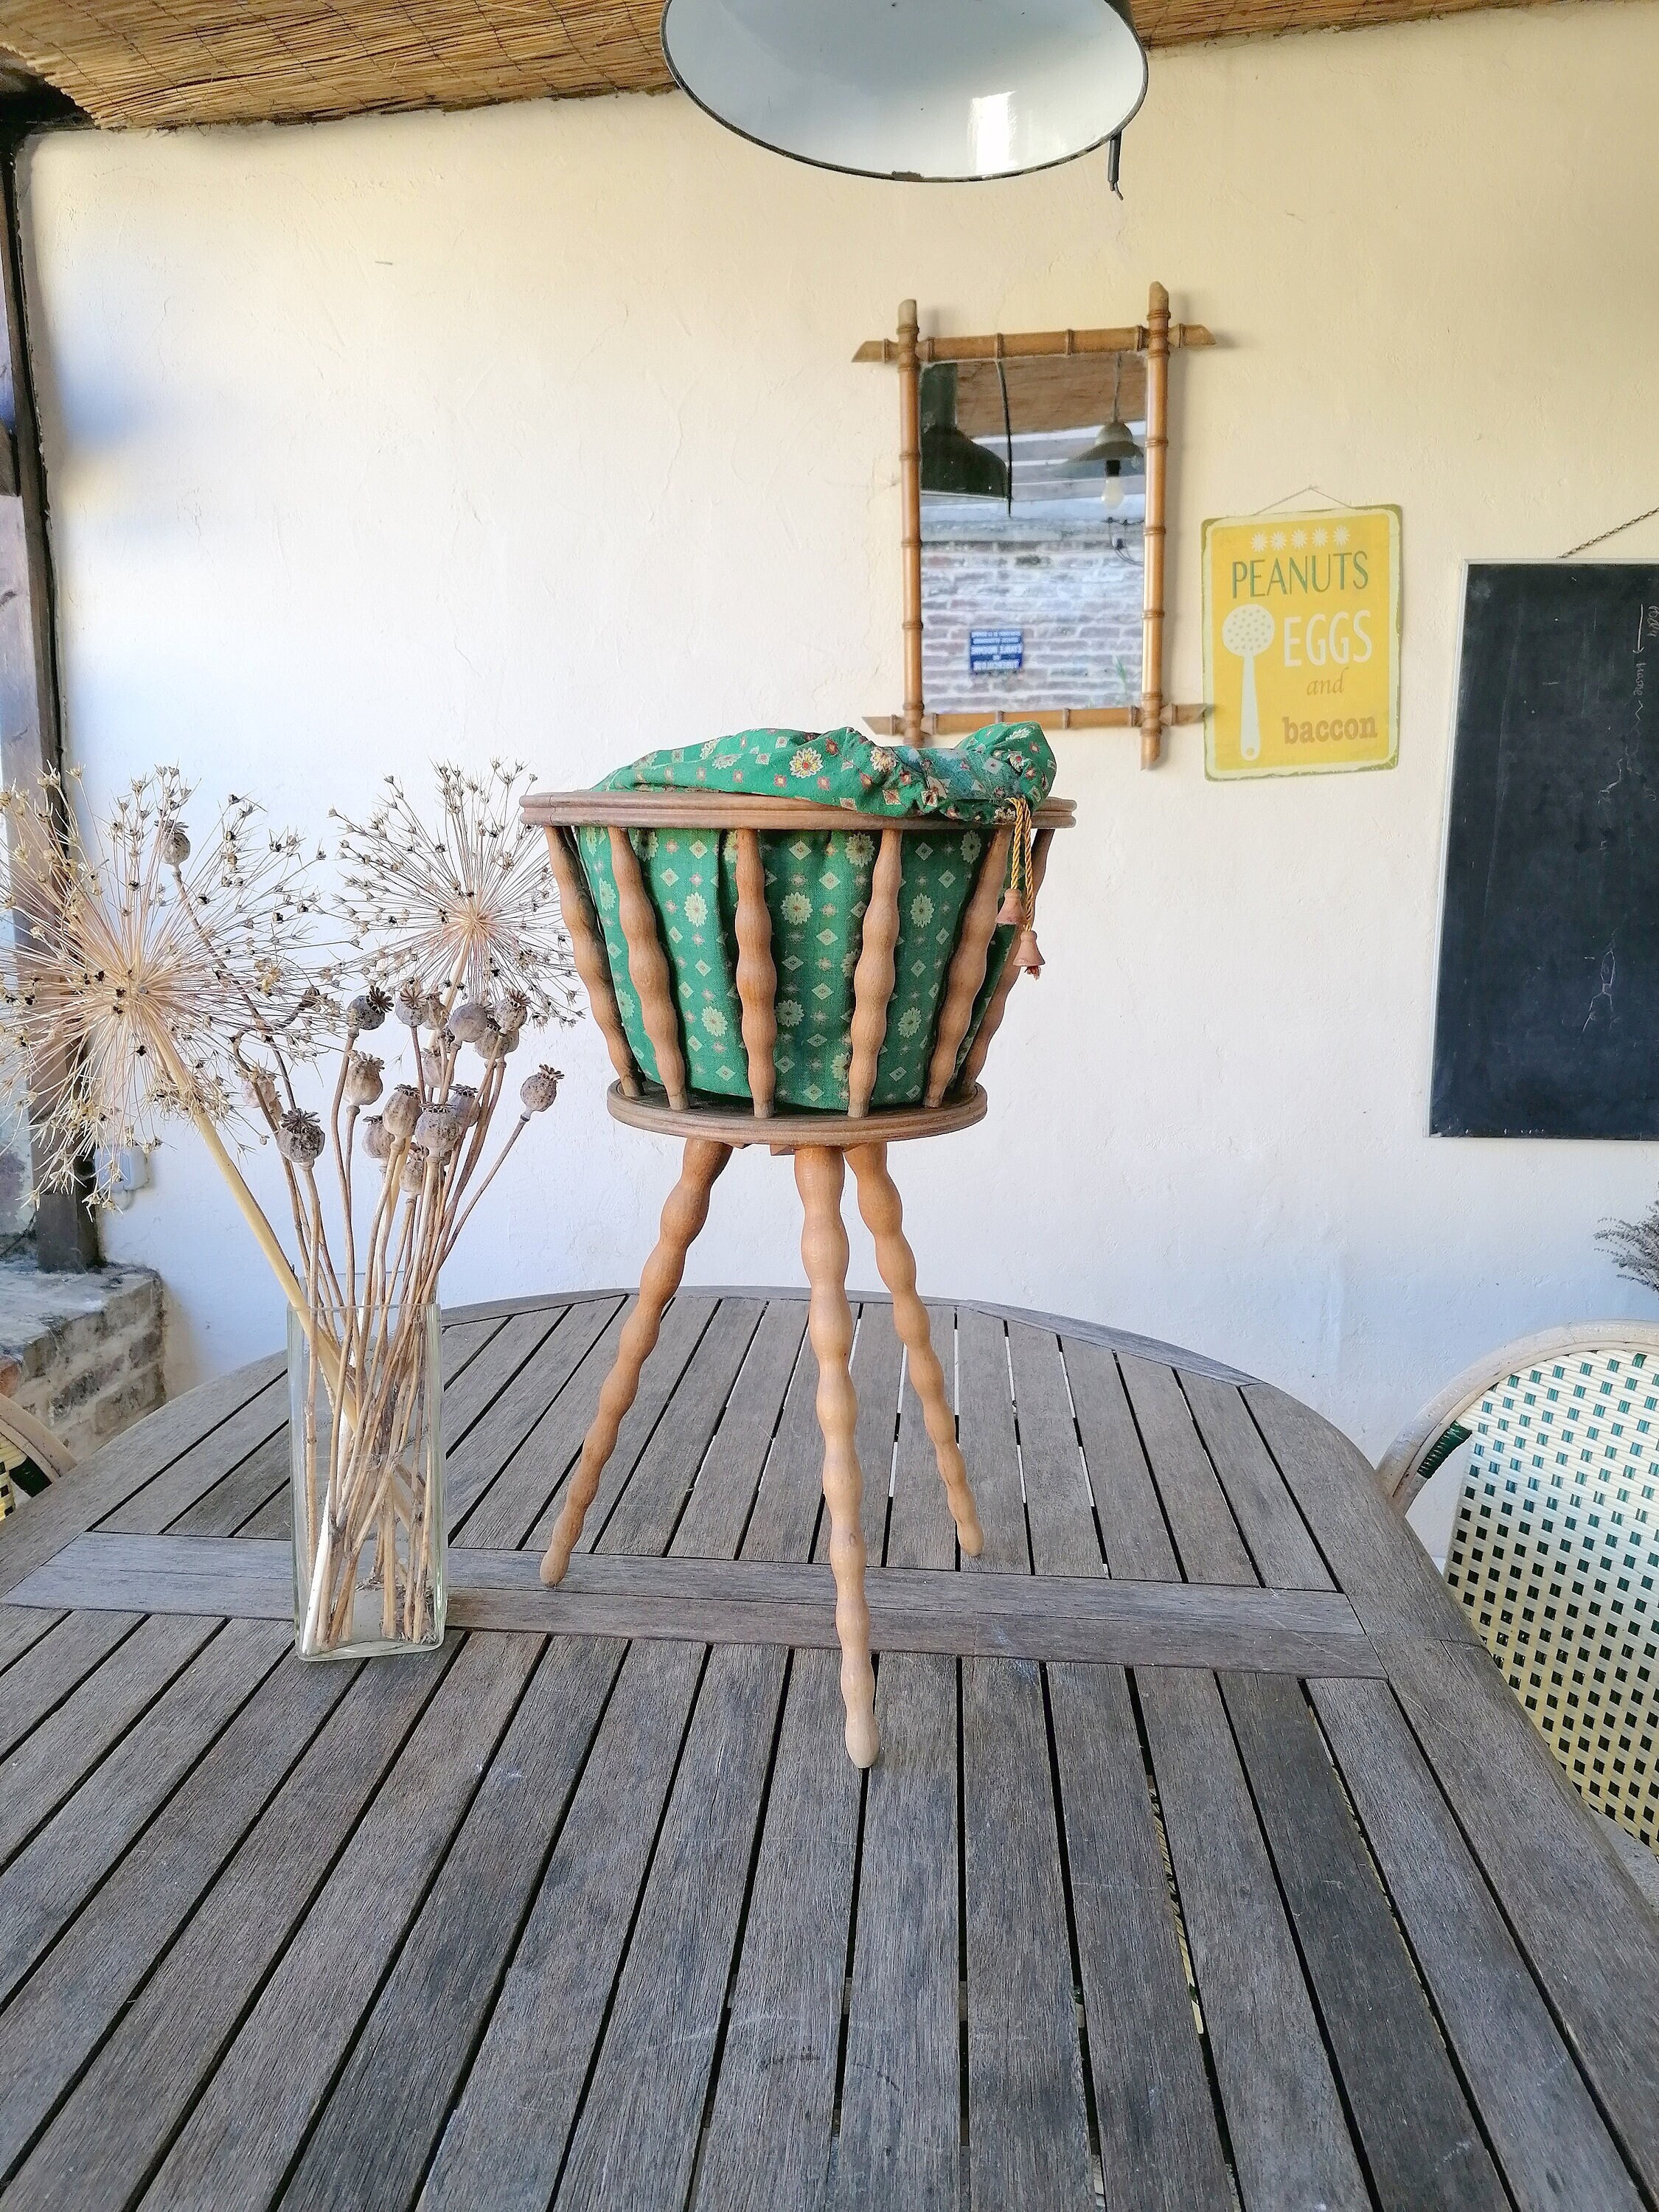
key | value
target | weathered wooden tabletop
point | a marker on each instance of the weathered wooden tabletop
(1206, 1853)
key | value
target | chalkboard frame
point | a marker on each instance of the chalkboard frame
(1546, 813)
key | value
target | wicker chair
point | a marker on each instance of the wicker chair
(1555, 1546)
(973, 987)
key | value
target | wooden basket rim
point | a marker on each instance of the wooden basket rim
(729, 810)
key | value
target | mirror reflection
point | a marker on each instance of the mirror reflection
(1033, 512)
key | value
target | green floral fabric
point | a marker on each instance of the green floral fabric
(817, 887)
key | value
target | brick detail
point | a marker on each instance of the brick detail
(1078, 601)
(90, 1346)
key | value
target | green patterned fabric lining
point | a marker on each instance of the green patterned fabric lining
(817, 887)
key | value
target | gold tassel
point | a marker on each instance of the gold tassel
(1018, 908)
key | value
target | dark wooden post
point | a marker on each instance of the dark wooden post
(31, 735)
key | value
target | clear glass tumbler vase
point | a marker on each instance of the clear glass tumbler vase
(366, 1458)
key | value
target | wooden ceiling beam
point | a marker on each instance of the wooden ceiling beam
(137, 63)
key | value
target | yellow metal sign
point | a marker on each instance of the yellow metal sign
(1301, 643)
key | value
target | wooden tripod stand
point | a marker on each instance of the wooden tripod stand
(821, 1143)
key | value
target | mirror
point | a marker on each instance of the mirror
(1033, 479)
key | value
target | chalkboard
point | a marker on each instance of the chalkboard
(1547, 1021)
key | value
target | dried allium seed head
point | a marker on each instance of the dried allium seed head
(363, 1078)
(376, 1143)
(467, 903)
(175, 844)
(402, 1111)
(471, 1023)
(369, 1009)
(538, 1091)
(300, 1137)
(439, 1131)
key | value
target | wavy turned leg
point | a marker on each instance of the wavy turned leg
(884, 1216)
(819, 1174)
(683, 1216)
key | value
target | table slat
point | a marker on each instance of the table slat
(52, 1876)
(59, 2017)
(1542, 2122)
(542, 2033)
(253, 2113)
(1592, 1940)
(1421, 2141)
(53, 1759)
(1387, 1573)
(1029, 2128)
(109, 2133)
(530, 1434)
(1132, 1523)
(51, 1669)
(376, 2132)
(1285, 2119)
(1285, 1555)
(1159, 2140)
(1195, 1505)
(194, 1472)
(100, 1484)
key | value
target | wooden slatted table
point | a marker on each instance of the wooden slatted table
(1206, 1853)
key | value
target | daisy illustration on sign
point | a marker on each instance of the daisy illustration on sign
(1301, 639)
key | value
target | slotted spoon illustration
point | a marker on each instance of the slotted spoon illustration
(1248, 631)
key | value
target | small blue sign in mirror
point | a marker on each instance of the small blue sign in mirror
(996, 651)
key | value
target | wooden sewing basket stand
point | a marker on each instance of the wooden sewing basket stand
(821, 1143)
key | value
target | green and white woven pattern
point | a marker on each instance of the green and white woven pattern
(1555, 1554)
(817, 887)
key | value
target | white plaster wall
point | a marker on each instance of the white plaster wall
(537, 430)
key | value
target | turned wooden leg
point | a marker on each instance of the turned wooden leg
(884, 1216)
(682, 1218)
(819, 1173)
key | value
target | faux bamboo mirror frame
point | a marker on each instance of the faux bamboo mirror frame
(1126, 369)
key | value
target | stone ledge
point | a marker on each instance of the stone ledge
(89, 1345)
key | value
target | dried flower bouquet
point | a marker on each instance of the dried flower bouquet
(146, 982)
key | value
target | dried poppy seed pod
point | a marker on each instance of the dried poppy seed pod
(363, 1078)
(300, 1137)
(175, 844)
(472, 1022)
(513, 1012)
(401, 1112)
(369, 1009)
(439, 1131)
(376, 1143)
(463, 1100)
(433, 1063)
(538, 1091)
(414, 1174)
(407, 1007)
(506, 1042)
(432, 1010)
(260, 1089)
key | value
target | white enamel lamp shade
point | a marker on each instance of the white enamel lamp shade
(945, 90)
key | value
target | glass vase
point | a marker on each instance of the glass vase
(366, 1458)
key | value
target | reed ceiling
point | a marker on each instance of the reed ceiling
(130, 63)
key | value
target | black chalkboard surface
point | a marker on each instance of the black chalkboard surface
(1548, 1020)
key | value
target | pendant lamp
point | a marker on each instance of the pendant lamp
(952, 461)
(1114, 453)
(936, 90)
